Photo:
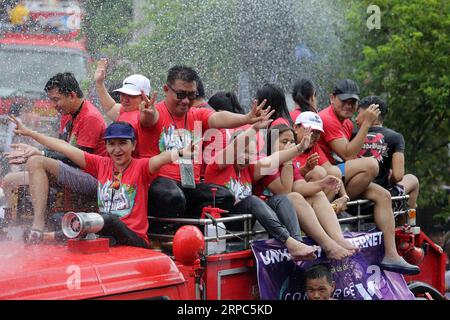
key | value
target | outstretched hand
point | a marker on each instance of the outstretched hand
(257, 112)
(20, 129)
(331, 184)
(21, 153)
(264, 120)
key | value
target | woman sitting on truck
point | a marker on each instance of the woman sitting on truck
(123, 182)
(314, 211)
(232, 167)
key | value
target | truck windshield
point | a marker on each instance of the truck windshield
(28, 70)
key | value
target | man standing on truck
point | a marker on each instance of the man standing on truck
(83, 126)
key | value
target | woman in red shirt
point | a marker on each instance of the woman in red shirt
(313, 209)
(123, 182)
(235, 169)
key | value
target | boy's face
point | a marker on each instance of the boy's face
(319, 289)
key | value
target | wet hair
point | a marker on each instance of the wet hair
(302, 91)
(200, 89)
(368, 101)
(65, 83)
(318, 271)
(276, 99)
(282, 128)
(226, 101)
(183, 73)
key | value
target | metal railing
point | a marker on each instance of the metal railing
(247, 234)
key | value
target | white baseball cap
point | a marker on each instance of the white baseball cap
(133, 85)
(310, 120)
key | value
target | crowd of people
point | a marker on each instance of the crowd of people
(293, 171)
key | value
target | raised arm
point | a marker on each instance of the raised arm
(273, 162)
(109, 105)
(166, 157)
(225, 119)
(226, 155)
(148, 116)
(348, 150)
(74, 154)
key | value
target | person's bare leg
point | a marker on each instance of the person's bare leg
(359, 173)
(38, 168)
(311, 226)
(411, 185)
(328, 220)
(316, 174)
(384, 217)
(10, 184)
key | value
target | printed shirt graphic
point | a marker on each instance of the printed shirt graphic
(334, 129)
(240, 184)
(129, 201)
(88, 129)
(381, 143)
(374, 146)
(169, 133)
(118, 201)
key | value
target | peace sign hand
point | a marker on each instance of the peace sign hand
(147, 106)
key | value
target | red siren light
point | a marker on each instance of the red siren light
(188, 244)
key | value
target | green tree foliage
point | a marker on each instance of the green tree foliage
(406, 61)
(105, 23)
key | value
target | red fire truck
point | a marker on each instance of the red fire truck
(177, 267)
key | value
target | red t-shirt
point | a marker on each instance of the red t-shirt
(333, 129)
(261, 188)
(133, 117)
(295, 113)
(302, 159)
(239, 183)
(172, 132)
(88, 129)
(214, 140)
(130, 199)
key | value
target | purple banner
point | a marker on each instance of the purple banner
(358, 277)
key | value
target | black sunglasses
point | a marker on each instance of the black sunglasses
(183, 94)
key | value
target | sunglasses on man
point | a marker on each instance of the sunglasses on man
(184, 94)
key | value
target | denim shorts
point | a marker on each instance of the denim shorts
(76, 179)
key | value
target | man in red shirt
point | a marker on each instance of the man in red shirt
(173, 123)
(358, 174)
(82, 125)
(133, 89)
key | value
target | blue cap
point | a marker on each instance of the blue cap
(119, 130)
